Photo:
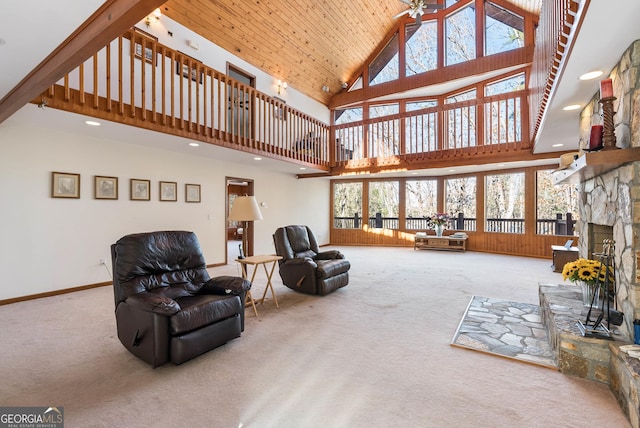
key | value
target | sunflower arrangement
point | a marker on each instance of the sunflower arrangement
(589, 271)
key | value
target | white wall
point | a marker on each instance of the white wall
(217, 58)
(50, 244)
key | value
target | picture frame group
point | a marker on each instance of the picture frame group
(67, 185)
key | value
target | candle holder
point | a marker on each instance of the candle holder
(608, 133)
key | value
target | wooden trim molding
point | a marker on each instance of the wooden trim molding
(53, 293)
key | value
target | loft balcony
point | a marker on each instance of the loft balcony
(137, 81)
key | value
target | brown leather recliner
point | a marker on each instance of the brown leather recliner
(167, 306)
(304, 267)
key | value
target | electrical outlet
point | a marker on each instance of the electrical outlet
(103, 261)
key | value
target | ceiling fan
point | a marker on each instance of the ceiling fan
(417, 8)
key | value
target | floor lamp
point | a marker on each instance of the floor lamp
(245, 209)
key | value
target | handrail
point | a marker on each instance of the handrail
(137, 80)
(485, 125)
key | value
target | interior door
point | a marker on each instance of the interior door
(236, 230)
(240, 102)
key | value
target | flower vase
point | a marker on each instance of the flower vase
(439, 229)
(587, 294)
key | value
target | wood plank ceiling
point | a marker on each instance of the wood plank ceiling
(308, 44)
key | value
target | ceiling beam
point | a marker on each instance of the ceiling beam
(112, 19)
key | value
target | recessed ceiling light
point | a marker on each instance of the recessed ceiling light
(500, 164)
(571, 107)
(591, 75)
(92, 123)
(302, 168)
(257, 158)
(452, 170)
(557, 145)
(194, 144)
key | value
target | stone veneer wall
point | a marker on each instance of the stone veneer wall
(613, 198)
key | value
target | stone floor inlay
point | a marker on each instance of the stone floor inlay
(508, 329)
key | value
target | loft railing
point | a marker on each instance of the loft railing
(553, 42)
(137, 81)
(557, 226)
(486, 125)
(140, 82)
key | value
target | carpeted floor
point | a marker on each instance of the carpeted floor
(376, 353)
(506, 329)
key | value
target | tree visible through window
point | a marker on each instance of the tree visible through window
(422, 202)
(460, 32)
(460, 198)
(383, 204)
(421, 47)
(386, 65)
(504, 203)
(347, 205)
(557, 205)
(504, 30)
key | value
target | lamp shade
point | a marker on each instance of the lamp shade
(245, 208)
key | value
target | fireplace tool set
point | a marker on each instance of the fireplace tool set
(606, 275)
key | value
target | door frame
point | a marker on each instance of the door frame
(249, 229)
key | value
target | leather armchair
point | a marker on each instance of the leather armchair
(168, 308)
(304, 267)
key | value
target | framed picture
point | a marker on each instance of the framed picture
(168, 191)
(140, 190)
(148, 51)
(192, 193)
(105, 187)
(185, 71)
(65, 185)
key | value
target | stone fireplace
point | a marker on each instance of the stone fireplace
(610, 202)
(609, 187)
(606, 211)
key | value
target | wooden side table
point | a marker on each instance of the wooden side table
(256, 261)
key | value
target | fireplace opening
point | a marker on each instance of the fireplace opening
(597, 234)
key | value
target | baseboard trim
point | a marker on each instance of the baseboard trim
(53, 293)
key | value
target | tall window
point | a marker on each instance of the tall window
(421, 129)
(384, 136)
(503, 117)
(460, 202)
(421, 202)
(503, 30)
(386, 65)
(349, 138)
(460, 32)
(421, 47)
(504, 204)
(556, 206)
(383, 204)
(461, 121)
(347, 205)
